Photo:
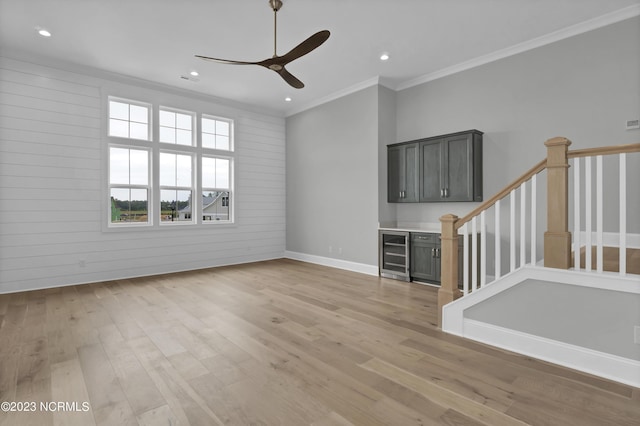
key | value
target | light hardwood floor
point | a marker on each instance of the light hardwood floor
(274, 343)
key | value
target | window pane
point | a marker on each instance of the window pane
(119, 166)
(175, 206)
(222, 142)
(139, 114)
(215, 206)
(167, 169)
(222, 173)
(129, 205)
(183, 170)
(208, 172)
(139, 167)
(183, 121)
(139, 131)
(167, 118)
(208, 140)
(167, 135)
(184, 137)
(222, 128)
(118, 110)
(139, 205)
(208, 126)
(118, 128)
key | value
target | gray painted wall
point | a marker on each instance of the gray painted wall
(583, 88)
(386, 135)
(332, 179)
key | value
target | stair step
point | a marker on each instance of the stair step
(611, 257)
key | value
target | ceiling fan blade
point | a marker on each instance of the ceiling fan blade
(290, 78)
(226, 61)
(305, 47)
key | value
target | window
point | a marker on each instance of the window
(216, 133)
(172, 174)
(129, 120)
(216, 186)
(175, 187)
(176, 127)
(129, 185)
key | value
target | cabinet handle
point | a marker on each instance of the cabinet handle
(446, 193)
(441, 192)
(438, 253)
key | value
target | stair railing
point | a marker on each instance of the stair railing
(557, 238)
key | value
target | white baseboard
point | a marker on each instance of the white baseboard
(612, 367)
(334, 263)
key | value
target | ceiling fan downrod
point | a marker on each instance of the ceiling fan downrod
(275, 5)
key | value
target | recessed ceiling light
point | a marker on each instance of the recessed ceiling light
(194, 73)
(384, 57)
(44, 33)
(287, 99)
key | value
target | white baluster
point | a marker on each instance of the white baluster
(512, 232)
(623, 214)
(599, 220)
(587, 213)
(534, 218)
(465, 260)
(576, 213)
(523, 222)
(483, 249)
(498, 262)
(474, 253)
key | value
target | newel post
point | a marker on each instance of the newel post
(557, 238)
(448, 291)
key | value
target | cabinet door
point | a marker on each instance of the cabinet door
(458, 168)
(431, 161)
(424, 263)
(402, 174)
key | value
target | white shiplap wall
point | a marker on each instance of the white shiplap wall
(53, 176)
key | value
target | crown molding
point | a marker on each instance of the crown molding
(580, 28)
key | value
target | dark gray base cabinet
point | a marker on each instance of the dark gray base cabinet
(425, 259)
(440, 169)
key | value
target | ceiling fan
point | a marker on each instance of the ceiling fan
(278, 63)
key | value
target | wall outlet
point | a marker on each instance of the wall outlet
(633, 124)
(82, 264)
(636, 334)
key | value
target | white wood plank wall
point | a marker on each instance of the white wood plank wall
(52, 178)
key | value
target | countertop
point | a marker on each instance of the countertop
(434, 228)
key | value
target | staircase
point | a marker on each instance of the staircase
(566, 297)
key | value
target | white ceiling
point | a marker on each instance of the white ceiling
(156, 40)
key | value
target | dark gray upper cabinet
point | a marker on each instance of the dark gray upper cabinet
(403, 173)
(449, 168)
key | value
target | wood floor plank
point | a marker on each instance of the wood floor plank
(276, 342)
(441, 395)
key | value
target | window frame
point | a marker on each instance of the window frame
(194, 129)
(150, 126)
(229, 190)
(154, 148)
(129, 186)
(192, 188)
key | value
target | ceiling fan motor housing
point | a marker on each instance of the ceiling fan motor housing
(275, 5)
